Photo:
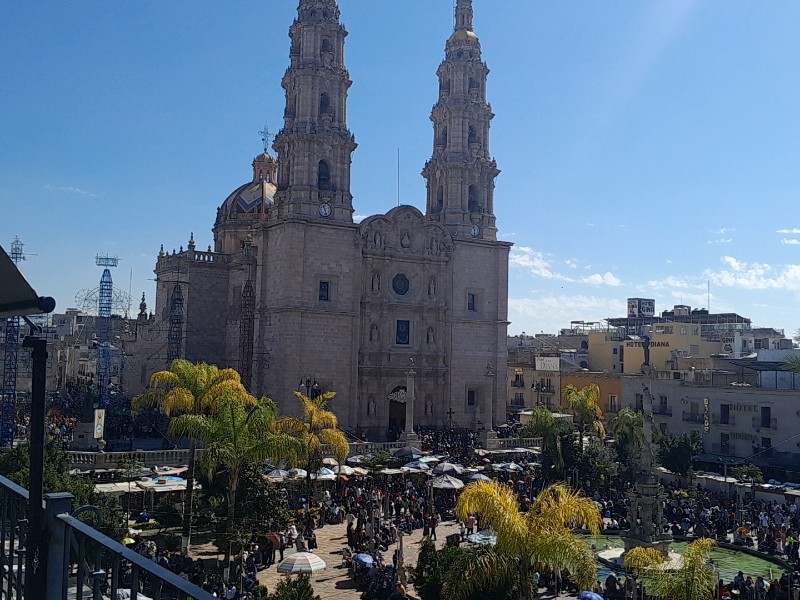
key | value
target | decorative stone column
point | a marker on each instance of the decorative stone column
(488, 433)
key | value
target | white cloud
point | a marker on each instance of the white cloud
(793, 231)
(725, 230)
(527, 258)
(668, 283)
(721, 241)
(755, 276)
(572, 263)
(71, 189)
(790, 241)
(604, 279)
(359, 218)
(550, 313)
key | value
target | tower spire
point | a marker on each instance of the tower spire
(314, 146)
(461, 172)
(463, 15)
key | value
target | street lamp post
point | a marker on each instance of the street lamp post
(490, 377)
(311, 387)
(409, 435)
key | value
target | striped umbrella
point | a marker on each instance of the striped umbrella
(301, 562)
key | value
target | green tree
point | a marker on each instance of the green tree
(543, 537)
(317, 427)
(543, 424)
(693, 579)
(191, 390)
(433, 565)
(584, 405)
(628, 431)
(15, 465)
(235, 436)
(294, 588)
(598, 464)
(676, 452)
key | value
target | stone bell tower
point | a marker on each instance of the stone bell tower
(460, 175)
(314, 146)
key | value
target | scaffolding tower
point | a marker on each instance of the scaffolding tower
(175, 335)
(105, 300)
(8, 407)
(246, 326)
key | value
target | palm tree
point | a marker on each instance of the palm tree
(542, 537)
(693, 579)
(584, 405)
(317, 427)
(543, 424)
(235, 435)
(189, 389)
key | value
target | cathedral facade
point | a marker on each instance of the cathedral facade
(296, 296)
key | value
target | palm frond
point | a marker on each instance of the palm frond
(473, 574)
(498, 508)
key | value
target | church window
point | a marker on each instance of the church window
(446, 87)
(400, 284)
(326, 45)
(324, 291)
(439, 199)
(403, 333)
(324, 103)
(471, 302)
(473, 199)
(323, 176)
(473, 139)
(473, 85)
(471, 397)
(443, 137)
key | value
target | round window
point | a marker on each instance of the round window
(400, 284)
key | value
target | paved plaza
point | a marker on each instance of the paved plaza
(335, 583)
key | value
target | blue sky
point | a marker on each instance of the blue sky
(646, 148)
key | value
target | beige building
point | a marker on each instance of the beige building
(294, 291)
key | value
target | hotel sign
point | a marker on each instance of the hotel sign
(548, 363)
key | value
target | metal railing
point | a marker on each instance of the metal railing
(759, 423)
(717, 419)
(14, 521)
(691, 417)
(81, 563)
(662, 409)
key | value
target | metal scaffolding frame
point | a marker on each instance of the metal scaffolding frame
(175, 335)
(8, 406)
(246, 327)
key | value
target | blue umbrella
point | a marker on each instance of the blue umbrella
(366, 560)
(589, 596)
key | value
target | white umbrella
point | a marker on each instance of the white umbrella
(417, 466)
(345, 470)
(298, 473)
(330, 462)
(301, 562)
(510, 467)
(445, 482)
(277, 475)
(447, 468)
(360, 471)
(480, 477)
(324, 474)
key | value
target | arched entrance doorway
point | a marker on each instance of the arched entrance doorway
(397, 412)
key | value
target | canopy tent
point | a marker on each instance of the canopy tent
(447, 468)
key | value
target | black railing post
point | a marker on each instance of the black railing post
(57, 567)
(36, 543)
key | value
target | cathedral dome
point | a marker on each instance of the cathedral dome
(251, 201)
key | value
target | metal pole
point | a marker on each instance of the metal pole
(36, 556)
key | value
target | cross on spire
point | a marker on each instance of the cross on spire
(463, 15)
(266, 136)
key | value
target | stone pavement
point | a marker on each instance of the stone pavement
(334, 583)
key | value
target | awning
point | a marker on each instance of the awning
(17, 297)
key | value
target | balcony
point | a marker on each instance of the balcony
(690, 417)
(81, 561)
(662, 409)
(716, 419)
(759, 423)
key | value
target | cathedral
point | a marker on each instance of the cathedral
(297, 296)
